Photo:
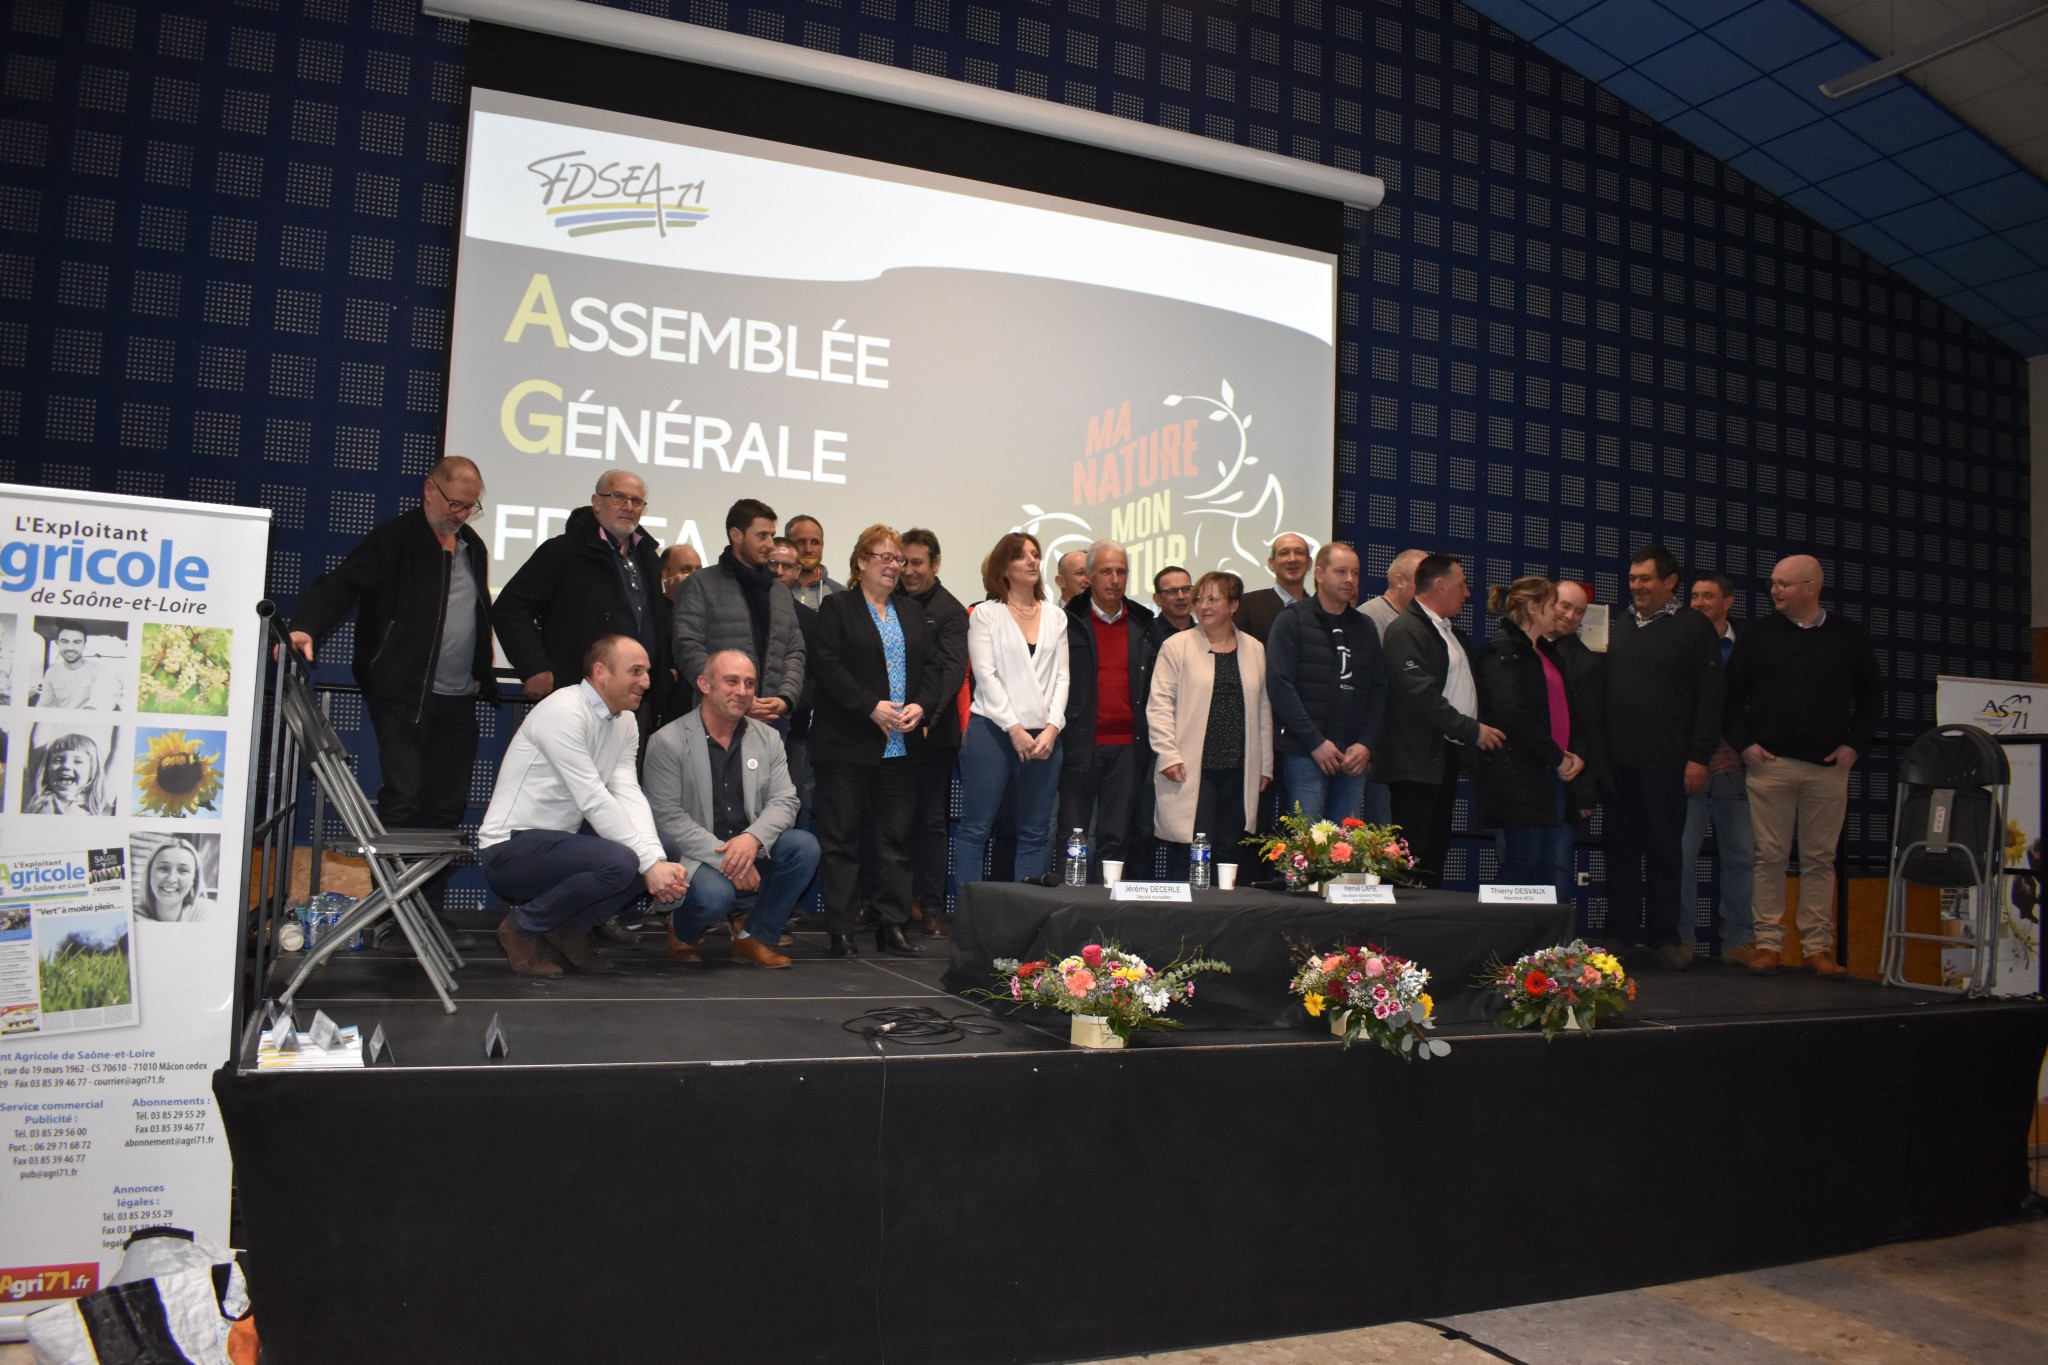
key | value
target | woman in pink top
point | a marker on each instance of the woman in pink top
(1522, 693)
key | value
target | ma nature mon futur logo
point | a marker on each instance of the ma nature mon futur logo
(583, 195)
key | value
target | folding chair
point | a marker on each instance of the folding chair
(1948, 831)
(401, 861)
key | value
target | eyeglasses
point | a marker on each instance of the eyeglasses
(783, 565)
(897, 560)
(626, 500)
(1780, 585)
(460, 509)
(1182, 591)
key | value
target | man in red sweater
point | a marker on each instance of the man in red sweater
(1103, 750)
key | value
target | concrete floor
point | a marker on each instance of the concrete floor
(1979, 1298)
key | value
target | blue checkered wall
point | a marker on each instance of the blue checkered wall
(227, 250)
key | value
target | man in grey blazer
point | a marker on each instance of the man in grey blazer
(718, 783)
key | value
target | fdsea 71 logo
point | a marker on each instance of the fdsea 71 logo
(583, 194)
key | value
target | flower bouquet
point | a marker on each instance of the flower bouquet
(1103, 981)
(1370, 994)
(1310, 853)
(1572, 985)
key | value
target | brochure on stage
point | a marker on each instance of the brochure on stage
(66, 962)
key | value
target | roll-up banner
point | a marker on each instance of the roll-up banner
(129, 662)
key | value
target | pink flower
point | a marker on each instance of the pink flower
(1300, 860)
(1092, 955)
(1382, 1010)
(1080, 982)
(1393, 850)
(1379, 992)
(1375, 967)
(1340, 853)
(1016, 989)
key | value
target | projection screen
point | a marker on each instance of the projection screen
(728, 317)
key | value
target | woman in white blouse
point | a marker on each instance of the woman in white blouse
(1017, 653)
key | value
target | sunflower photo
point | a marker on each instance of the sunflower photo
(179, 772)
(184, 669)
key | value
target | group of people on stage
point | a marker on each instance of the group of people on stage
(697, 722)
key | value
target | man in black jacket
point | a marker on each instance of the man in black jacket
(1804, 699)
(1432, 723)
(1665, 684)
(1329, 691)
(1104, 754)
(928, 835)
(1585, 680)
(419, 585)
(601, 576)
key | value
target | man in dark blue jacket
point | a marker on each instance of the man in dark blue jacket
(419, 585)
(601, 576)
(1109, 668)
(1329, 690)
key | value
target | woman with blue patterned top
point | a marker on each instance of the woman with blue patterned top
(877, 684)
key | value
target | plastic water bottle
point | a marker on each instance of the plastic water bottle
(1077, 857)
(1198, 862)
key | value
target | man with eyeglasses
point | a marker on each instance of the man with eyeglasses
(1804, 697)
(419, 587)
(601, 576)
(1173, 594)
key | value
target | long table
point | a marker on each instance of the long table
(1449, 933)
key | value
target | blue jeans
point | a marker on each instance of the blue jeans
(562, 881)
(989, 766)
(786, 869)
(1529, 853)
(1320, 795)
(1735, 839)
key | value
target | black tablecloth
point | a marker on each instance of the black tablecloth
(1447, 932)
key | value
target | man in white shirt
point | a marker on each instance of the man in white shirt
(75, 682)
(568, 838)
(1432, 727)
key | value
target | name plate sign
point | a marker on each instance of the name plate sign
(1354, 893)
(1151, 891)
(1518, 895)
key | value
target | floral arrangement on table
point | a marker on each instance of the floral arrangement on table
(1308, 853)
(1104, 981)
(1571, 985)
(1371, 994)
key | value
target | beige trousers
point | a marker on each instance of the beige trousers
(1786, 796)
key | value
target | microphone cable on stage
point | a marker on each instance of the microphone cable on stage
(916, 1026)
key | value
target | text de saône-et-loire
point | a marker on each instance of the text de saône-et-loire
(65, 565)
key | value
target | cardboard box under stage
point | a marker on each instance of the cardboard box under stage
(705, 1164)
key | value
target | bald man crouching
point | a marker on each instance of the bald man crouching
(718, 783)
(568, 838)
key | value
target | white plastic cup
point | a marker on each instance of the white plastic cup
(1112, 872)
(1226, 876)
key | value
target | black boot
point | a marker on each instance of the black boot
(890, 939)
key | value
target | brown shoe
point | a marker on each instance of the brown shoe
(1763, 962)
(1675, 957)
(1823, 964)
(751, 949)
(938, 926)
(1739, 955)
(523, 952)
(681, 951)
(578, 951)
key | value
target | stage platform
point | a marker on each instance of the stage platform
(703, 1164)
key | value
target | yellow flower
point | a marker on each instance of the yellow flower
(176, 776)
(1607, 963)
(1314, 1003)
(1428, 1006)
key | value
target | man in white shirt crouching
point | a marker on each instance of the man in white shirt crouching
(568, 838)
